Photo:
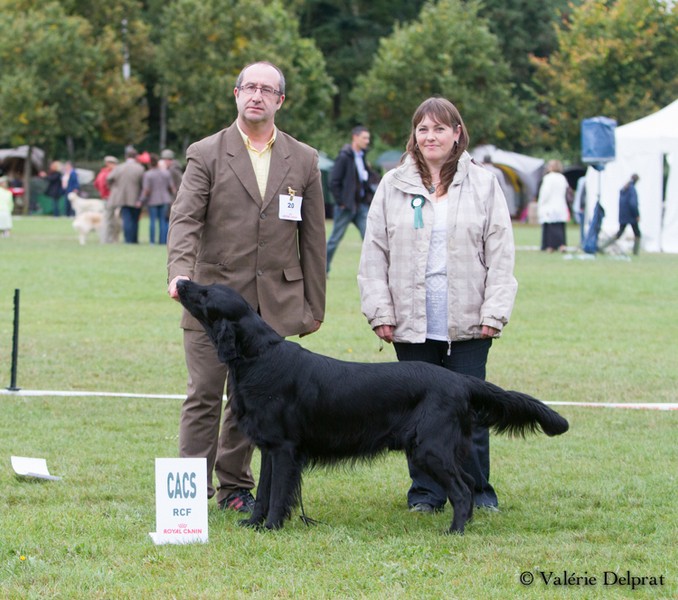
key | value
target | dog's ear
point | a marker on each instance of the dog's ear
(225, 341)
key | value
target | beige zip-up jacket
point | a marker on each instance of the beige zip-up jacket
(480, 255)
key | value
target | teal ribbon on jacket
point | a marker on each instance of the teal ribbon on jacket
(417, 203)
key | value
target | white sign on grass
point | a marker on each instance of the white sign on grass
(180, 500)
(32, 467)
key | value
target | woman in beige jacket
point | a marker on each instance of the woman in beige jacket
(436, 271)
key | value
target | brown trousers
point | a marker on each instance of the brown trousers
(228, 452)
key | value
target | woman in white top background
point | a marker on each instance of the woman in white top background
(552, 209)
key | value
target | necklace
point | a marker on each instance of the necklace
(432, 187)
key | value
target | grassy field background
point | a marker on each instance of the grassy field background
(600, 499)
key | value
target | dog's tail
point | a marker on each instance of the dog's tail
(514, 413)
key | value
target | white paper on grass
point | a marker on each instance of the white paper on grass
(32, 467)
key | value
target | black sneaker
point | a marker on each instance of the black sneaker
(239, 501)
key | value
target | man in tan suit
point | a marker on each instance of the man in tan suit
(250, 214)
(125, 184)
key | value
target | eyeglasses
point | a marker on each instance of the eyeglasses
(266, 90)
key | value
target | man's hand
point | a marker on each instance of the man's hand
(172, 287)
(316, 326)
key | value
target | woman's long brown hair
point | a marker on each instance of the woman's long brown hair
(441, 111)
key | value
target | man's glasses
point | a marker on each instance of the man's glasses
(266, 90)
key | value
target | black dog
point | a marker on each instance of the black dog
(302, 408)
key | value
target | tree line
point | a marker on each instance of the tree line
(79, 77)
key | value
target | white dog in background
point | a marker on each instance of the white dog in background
(89, 216)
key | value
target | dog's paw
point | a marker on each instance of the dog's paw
(274, 525)
(453, 531)
(251, 523)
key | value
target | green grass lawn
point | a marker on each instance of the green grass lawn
(599, 499)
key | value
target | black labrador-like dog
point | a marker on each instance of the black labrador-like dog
(303, 409)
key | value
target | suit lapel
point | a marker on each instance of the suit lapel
(241, 164)
(278, 169)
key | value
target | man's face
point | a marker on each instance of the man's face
(362, 140)
(257, 107)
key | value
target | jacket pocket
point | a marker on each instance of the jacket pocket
(293, 273)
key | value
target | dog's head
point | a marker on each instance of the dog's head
(219, 309)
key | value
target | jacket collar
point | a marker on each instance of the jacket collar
(406, 177)
(242, 165)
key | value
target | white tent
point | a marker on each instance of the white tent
(641, 147)
(528, 168)
(9, 156)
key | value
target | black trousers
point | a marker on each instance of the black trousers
(622, 228)
(468, 358)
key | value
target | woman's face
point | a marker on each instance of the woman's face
(435, 140)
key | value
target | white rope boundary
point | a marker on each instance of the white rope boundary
(633, 405)
(71, 394)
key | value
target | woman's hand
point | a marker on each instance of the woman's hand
(489, 332)
(385, 332)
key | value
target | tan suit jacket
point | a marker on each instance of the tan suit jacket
(124, 182)
(222, 231)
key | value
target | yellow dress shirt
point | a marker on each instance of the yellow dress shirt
(261, 160)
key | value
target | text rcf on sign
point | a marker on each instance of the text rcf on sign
(180, 500)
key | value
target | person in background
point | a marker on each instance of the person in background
(628, 213)
(436, 270)
(111, 216)
(125, 184)
(16, 186)
(250, 214)
(167, 161)
(144, 159)
(54, 188)
(552, 209)
(69, 183)
(6, 207)
(350, 186)
(157, 193)
(579, 208)
(167, 157)
(100, 182)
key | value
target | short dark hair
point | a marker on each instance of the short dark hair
(281, 84)
(358, 129)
